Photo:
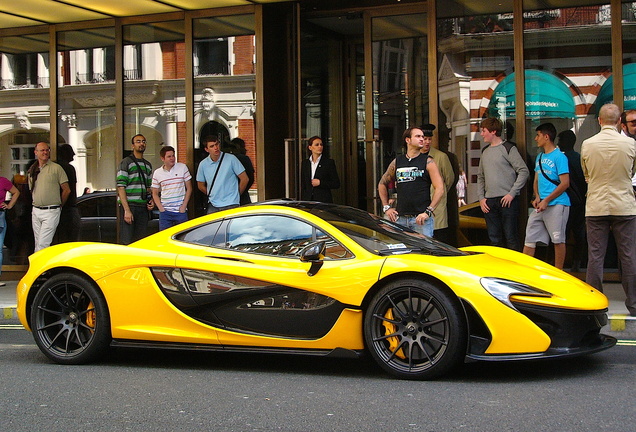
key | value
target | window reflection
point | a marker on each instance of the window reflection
(223, 47)
(87, 60)
(302, 300)
(475, 54)
(568, 60)
(629, 55)
(154, 87)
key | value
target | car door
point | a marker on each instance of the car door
(251, 279)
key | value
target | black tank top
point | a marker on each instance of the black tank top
(413, 184)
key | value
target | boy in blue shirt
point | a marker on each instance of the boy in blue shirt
(551, 203)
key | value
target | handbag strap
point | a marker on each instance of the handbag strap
(544, 174)
(215, 174)
(141, 173)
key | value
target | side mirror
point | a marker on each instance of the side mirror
(313, 253)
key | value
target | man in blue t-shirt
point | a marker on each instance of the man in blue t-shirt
(221, 177)
(551, 203)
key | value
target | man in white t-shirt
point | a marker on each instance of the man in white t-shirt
(171, 189)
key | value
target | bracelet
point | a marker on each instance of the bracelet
(428, 212)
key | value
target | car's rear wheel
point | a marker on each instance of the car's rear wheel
(415, 330)
(70, 320)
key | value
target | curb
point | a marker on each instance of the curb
(621, 326)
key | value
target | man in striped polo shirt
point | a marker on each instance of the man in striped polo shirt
(134, 178)
(171, 189)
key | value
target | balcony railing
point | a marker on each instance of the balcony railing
(21, 83)
(132, 74)
(223, 69)
(94, 78)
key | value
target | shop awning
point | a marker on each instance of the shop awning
(606, 94)
(546, 97)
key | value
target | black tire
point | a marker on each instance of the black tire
(415, 330)
(70, 321)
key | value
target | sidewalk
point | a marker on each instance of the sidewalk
(621, 325)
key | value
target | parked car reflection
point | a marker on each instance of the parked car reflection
(472, 226)
(98, 211)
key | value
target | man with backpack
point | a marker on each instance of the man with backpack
(501, 176)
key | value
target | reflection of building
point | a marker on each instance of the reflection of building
(567, 74)
(357, 73)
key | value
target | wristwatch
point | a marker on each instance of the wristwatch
(385, 208)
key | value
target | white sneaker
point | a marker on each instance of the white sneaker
(2, 284)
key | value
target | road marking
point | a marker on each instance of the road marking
(626, 343)
(15, 346)
(11, 327)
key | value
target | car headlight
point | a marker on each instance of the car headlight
(502, 289)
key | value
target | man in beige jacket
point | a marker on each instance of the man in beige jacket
(609, 162)
(448, 176)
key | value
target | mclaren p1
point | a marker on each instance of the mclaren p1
(308, 278)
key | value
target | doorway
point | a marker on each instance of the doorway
(364, 80)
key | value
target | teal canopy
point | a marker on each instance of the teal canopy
(606, 94)
(546, 97)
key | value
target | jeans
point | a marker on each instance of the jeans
(502, 223)
(138, 228)
(169, 219)
(426, 228)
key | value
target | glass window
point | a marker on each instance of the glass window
(568, 58)
(154, 88)
(224, 66)
(204, 235)
(86, 103)
(400, 80)
(629, 55)
(269, 234)
(475, 54)
(25, 110)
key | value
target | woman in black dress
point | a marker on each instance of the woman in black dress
(318, 174)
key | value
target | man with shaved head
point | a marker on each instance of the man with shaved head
(608, 160)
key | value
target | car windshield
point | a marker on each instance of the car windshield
(375, 234)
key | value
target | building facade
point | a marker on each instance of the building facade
(357, 73)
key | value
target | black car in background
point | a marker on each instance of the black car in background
(98, 212)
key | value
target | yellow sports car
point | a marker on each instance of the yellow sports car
(308, 278)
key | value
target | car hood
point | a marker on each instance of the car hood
(463, 275)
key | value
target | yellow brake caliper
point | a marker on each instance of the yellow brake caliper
(90, 316)
(390, 329)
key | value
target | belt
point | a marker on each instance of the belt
(53, 207)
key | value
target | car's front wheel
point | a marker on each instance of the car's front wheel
(415, 330)
(69, 320)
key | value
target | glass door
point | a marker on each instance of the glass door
(399, 77)
(364, 79)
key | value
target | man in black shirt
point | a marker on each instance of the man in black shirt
(413, 173)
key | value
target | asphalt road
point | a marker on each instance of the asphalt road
(148, 390)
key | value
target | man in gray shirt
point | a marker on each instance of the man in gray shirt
(501, 176)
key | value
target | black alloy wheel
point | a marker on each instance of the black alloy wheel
(70, 321)
(415, 330)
